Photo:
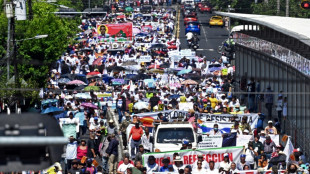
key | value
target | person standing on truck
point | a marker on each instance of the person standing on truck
(136, 133)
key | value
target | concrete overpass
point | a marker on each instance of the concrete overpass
(275, 51)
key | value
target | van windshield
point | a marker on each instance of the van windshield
(174, 135)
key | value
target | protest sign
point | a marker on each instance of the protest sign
(190, 156)
(186, 106)
(239, 172)
(275, 138)
(69, 130)
(123, 30)
(210, 141)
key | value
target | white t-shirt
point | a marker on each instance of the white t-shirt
(249, 158)
(123, 167)
(214, 171)
(152, 168)
(71, 150)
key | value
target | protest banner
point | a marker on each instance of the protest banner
(210, 141)
(123, 30)
(186, 106)
(190, 156)
(69, 130)
(242, 140)
(275, 138)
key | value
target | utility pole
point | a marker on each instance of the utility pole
(278, 7)
(30, 9)
(287, 8)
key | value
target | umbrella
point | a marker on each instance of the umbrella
(121, 17)
(82, 96)
(138, 15)
(189, 82)
(184, 71)
(89, 105)
(153, 66)
(94, 88)
(63, 80)
(128, 63)
(93, 73)
(214, 69)
(117, 81)
(76, 82)
(158, 46)
(87, 49)
(115, 68)
(81, 117)
(135, 30)
(141, 105)
(193, 76)
(106, 78)
(175, 96)
(98, 61)
(52, 110)
(128, 9)
(165, 65)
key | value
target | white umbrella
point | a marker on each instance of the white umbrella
(141, 105)
(82, 96)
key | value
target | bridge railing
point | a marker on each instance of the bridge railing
(297, 61)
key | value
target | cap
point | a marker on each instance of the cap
(200, 156)
(295, 150)
(226, 155)
(270, 121)
(170, 105)
(177, 158)
(95, 118)
(89, 160)
(141, 145)
(111, 121)
(262, 132)
(246, 131)
(242, 156)
(185, 142)
(267, 137)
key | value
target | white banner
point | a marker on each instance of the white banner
(186, 106)
(242, 140)
(275, 138)
(190, 156)
(210, 141)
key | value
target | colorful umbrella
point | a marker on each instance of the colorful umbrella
(76, 82)
(94, 88)
(93, 73)
(98, 61)
(184, 71)
(135, 30)
(153, 66)
(121, 17)
(189, 82)
(52, 110)
(89, 105)
(128, 9)
(63, 80)
(141, 105)
(117, 81)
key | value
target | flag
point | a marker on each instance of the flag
(288, 150)
(229, 140)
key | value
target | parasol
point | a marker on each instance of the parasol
(189, 82)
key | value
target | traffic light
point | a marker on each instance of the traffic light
(29, 142)
(305, 4)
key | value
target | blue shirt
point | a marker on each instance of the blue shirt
(164, 169)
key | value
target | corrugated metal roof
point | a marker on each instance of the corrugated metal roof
(298, 28)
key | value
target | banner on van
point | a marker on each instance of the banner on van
(190, 156)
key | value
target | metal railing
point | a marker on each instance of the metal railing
(297, 61)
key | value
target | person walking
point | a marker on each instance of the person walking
(269, 101)
(136, 132)
(112, 153)
(123, 129)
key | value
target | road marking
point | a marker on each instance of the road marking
(205, 49)
(204, 32)
(178, 24)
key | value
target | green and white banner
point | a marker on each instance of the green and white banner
(190, 156)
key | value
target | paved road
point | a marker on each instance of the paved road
(210, 38)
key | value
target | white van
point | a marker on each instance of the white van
(169, 136)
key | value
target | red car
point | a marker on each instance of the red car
(205, 8)
(189, 18)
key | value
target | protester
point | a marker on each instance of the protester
(136, 132)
